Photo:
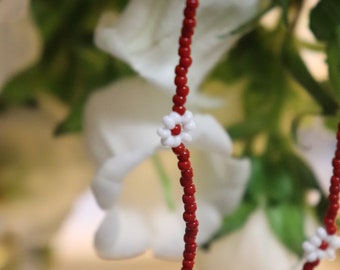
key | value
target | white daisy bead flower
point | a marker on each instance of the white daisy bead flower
(183, 125)
(314, 249)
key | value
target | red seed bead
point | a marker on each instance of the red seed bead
(190, 208)
(176, 130)
(179, 149)
(185, 182)
(188, 264)
(324, 245)
(179, 109)
(187, 174)
(191, 247)
(337, 153)
(179, 100)
(187, 32)
(331, 229)
(336, 172)
(184, 51)
(192, 3)
(189, 13)
(180, 81)
(189, 22)
(335, 180)
(181, 71)
(188, 199)
(182, 90)
(189, 239)
(190, 190)
(189, 217)
(184, 156)
(184, 165)
(185, 41)
(333, 198)
(185, 62)
(334, 189)
(191, 231)
(334, 207)
(328, 222)
(189, 255)
(193, 225)
(336, 162)
(331, 214)
(338, 136)
(184, 268)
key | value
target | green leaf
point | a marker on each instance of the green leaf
(325, 19)
(287, 223)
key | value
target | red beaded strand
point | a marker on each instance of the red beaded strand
(182, 153)
(333, 202)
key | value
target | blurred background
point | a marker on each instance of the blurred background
(48, 215)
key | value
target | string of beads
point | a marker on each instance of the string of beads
(175, 131)
(326, 239)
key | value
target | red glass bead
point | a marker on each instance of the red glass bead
(184, 268)
(181, 71)
(176, 130)
(179, 109)
(188, 199)
(184, 156)
(336, 163)
(182, 90)
(334, 189)
(331, 214)
(336, 172)
(191, 247)
(187, 174)
(192, 3)
(187, 217)
(190, 190)
(188, 264)
(185, 41)
(335, 180)
(334, 207)
(337, 153)
(191, 231)
(184, 51)
(193, 225)
(190, 23)
(190, 208)
(184, 165)
(338, 136)
(324, 245)
(328, 222)
(189, 255)
(185, 62)
(179, 100)
(331, 229)
(179, 149)
(187, 32)
(185, 182)
(333, 198)
(189, 13)
(180, 81)
(189, 239)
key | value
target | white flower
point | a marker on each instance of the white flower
(252, 247)
(19, 40)
(120, 127)
(146, 37)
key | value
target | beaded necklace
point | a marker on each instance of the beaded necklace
(175, 132)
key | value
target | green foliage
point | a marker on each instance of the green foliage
(70, 67)
(325, 24)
